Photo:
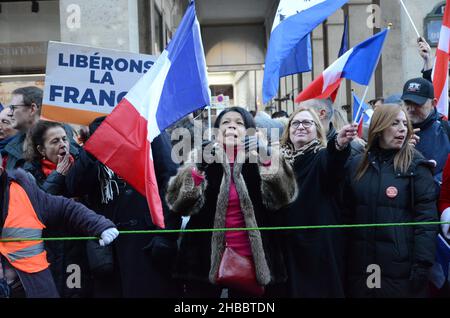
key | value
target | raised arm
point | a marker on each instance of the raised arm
(185, 191)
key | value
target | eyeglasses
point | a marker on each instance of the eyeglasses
(305, 123)
(14, 107)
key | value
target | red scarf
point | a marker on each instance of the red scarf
(48, 166)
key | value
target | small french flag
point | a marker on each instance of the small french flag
(362, 113)
(357, 64)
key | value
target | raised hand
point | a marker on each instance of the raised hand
(415, 139)
(346, 135)
(64, 163)
(425, 52)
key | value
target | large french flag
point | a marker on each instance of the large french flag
(357, 64)
(440, 70)
(289, 51)
(175, 86)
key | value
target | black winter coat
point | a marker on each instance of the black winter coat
(404, 254)
(142, 263)
(52, 211)
(315, 258)
(434, 143)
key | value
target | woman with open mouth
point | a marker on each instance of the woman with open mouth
(220, 187)
(390, 183)
(49, 159)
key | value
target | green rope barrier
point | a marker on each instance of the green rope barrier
(278, 228)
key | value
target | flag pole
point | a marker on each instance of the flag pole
(209, 123)
(367, 87)
(362, 101)
(410, 19)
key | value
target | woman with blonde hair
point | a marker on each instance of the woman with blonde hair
(314, 258)
(390, 183)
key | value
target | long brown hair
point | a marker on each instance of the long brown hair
(285, 138)
(383, 118)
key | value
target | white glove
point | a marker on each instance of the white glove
(445, 217)
(108, 236)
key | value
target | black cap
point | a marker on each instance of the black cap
(418, 90)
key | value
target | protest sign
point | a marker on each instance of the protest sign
(82, 82)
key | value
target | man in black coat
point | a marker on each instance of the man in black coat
(418, 96)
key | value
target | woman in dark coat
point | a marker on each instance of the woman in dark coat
(231, 192)
(390, 183)
(49, 158)
(315, 258)
(141, 263)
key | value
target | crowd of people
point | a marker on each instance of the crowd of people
(306, 169)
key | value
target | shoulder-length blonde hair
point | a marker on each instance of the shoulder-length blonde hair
(383, 118)
(285, 138)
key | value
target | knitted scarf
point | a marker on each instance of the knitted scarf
(290, 154)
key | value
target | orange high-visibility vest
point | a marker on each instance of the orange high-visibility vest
(23, 222)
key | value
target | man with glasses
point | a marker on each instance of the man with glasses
(24, 110)
(25, 107)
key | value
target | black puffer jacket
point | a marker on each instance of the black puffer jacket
(404, 254)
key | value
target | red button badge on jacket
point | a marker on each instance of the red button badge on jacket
(391, 192)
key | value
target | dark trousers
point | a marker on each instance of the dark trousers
(38, 285)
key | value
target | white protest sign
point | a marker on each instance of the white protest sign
(82, 82)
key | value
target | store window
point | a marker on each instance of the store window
(159, 35)
(25, 29)
(433, 23)
(225, 90)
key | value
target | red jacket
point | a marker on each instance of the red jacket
(444, 198)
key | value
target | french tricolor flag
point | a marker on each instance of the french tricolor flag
(289, 49)
(357, 64)
(362, 113)
(175, 86)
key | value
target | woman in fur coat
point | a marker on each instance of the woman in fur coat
(237, 189)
